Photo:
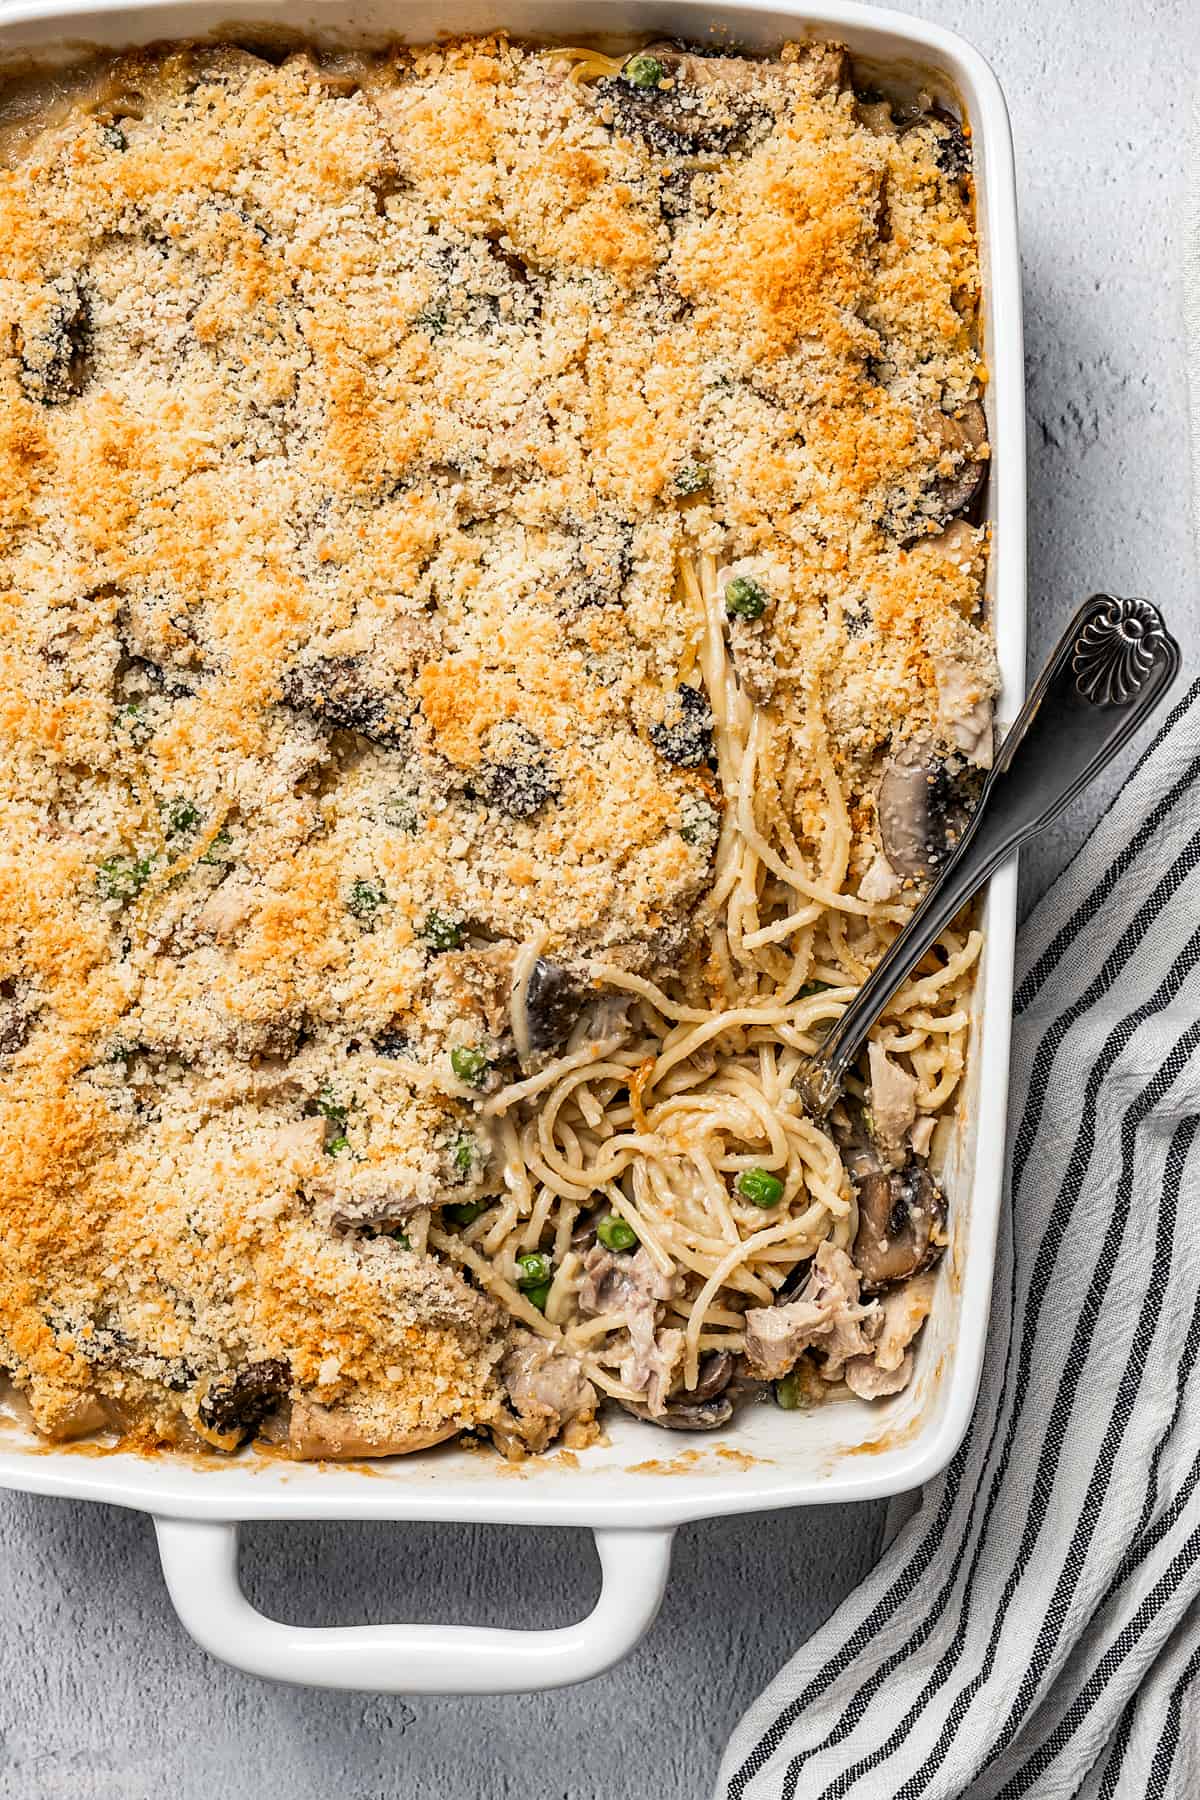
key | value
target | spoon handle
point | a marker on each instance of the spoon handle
(1109, 671)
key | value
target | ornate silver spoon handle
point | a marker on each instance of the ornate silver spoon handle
(1110, 670)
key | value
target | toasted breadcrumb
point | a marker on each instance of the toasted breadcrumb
(345, 438)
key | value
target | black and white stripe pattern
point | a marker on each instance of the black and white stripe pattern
(1034, 1630)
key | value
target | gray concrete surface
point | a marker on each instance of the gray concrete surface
(101, 1695)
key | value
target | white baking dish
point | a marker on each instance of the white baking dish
(635, 1489)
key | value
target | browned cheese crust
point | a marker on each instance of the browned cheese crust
(352, 431)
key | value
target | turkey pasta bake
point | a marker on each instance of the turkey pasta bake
(493, 650)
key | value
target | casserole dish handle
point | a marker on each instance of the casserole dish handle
(199, 1559)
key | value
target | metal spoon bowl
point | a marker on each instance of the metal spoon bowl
(1110, 669)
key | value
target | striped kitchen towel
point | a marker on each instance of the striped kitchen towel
(1034, 1629)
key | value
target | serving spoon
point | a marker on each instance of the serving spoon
(1110, 669)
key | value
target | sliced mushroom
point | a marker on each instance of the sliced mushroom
(901, 1212)
(964, 436)
(952, 152)
(685, 1415)
(923, 806)
(553, 1001)
(715, 1374)
(232, 1408)
(338, 692)
(685, 735)
(55, 346)
(583, 1237)
(702, 1408)
(16, 1016)
(517, 778)
(696, 104)
(958, 440)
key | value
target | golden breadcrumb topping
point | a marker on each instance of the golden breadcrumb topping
(356, 419)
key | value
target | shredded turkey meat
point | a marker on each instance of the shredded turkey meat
(546, 1388)
(889, 1366)
(880, 881)
(826, 1316)
(893, 1101)
(632, 1285)
(965, 710)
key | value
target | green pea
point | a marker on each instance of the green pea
(533, 1269)
(402, 1240)
(331, 1109)
(399, 811)
(465, 1212)
(538, 1296)
(469, 1064)
(123, 877)
(760, 1187)
(615, 1233)
(215, 854)
(789, 1393)
(744, 598)
(335, 1145)
(440, 934)
(693, 479)
(462, 1155)
(700, 822)
(181, 817)
(131, 718)
(643, 72)
(365, 899)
